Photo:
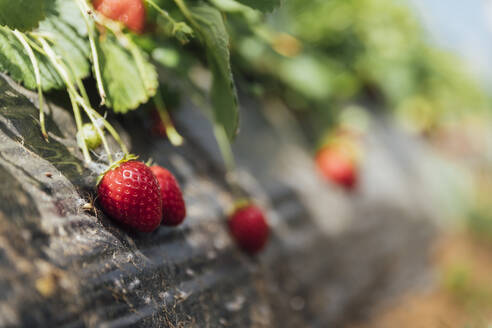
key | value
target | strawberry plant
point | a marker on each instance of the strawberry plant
(119, 46)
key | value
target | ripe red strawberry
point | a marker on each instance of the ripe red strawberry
(130, 194)
(337, 166)
(173, 205)
(249, 228)
(129, 12)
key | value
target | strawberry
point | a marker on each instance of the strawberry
(173, 205)
(158, 127)
(249, 227)
(337, 166)
(129, 193)
(129, 12)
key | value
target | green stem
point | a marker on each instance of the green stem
(70, 89)
(225, 147)
(60, 67)
(84, 9)
(78, 123)
(174, 137)
(107, 125)
(35, 46)
(111, 130)
(161, 11)
(94, 122)
(186, 12)
(37, 75)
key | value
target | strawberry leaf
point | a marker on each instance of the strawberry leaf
(15, 61)
(66, 28)
(262, 5)
(212, 32)
(128, 78)
(62, 24)
(23, 15)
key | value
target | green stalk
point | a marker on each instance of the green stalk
(176, 26)
(98, 129)
(161, 11)
(60, 67)
(111, 130)
(186, 12)
(98, 116)
(81, 88)
(84, 9)
(35, 46)
(224, 147)
(21, 37)
(70, 89)
(78, 123)
(174, 137)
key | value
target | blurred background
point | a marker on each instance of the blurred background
(422, 65)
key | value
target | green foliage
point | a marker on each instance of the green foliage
(15, 61)
(70, 45)
(22, 15)
(211, 30)
(129, 79)
(263, 5)
(350, 50)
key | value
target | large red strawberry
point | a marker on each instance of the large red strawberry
(173, 205)
(130, 194)
(129, 12)
(337, 166)
(249, 228)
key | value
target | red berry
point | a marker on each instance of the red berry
(129, 12)
(173, 205)
(158, 127)
(249, 228)
(130, 194)
(337, 166)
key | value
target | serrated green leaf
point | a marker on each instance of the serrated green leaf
(212, 32)
(262, 5)
(68, 43)
(125, 86)
(69, 12)
(22, 15)
(15, 62)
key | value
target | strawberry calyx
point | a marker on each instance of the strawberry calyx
(238, 205)
(116, 164)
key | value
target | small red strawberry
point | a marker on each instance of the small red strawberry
(249, 227)
(337, 166)
(158, 127)
(173, 205)
(130, 194)
(129, 12)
